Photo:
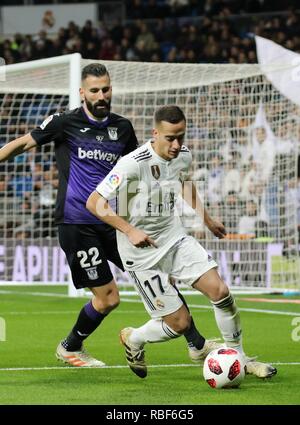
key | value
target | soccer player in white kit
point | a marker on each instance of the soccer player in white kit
(154, 245)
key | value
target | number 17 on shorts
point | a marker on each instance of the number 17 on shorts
(158, 294)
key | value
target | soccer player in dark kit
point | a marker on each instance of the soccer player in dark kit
(89, 140)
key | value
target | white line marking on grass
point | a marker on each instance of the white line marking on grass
(155, 366)
(254, 310)
(269, 300)
(251, 310)
(39, 294)
(25, 313)
(131, 300)
(103, 367)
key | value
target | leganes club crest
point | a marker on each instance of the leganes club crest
(92, 273)
(112, 133)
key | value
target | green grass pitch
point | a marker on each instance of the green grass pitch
(38, 317)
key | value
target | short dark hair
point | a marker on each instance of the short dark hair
(95, 69)
(170, 113)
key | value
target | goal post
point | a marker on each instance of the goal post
(30, 92)
(244, 138)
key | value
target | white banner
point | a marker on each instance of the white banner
(32, 19)
(47, 264)
(287, 76)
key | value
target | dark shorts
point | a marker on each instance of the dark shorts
(87, 248)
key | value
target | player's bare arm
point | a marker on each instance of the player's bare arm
(100, 207)
(216, 227)
(16, 147)
(190, 195)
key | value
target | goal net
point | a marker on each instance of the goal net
(244, 138)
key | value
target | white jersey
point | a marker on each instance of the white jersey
(147, 187)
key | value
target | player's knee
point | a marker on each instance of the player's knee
(115, 303)
(182, 324)
(112, 303)
(220, 292)
(108, 304)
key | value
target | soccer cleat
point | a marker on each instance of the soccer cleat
(259, 369)
(77, 358)
(198, 356)
(135, 356)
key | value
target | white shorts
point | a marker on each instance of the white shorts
(186, 261)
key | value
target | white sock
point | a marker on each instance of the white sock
(156, 330)
(228, 320)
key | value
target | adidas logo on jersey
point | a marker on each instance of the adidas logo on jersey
(98, 154)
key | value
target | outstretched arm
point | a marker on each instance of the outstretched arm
(190, 195)
(17, 146)
(100, 207)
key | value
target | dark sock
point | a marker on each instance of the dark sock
(88, 320)
(193, 337)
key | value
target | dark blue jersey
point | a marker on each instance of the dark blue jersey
(85, 152)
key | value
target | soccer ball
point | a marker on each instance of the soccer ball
(224, 368)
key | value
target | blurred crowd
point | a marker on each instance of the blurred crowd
(28, 183)
(242, 167)
(174, 8)
(245, 168)
(177, 8)
(243, 163)
(199, 32)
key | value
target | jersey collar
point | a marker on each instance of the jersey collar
(155, 155)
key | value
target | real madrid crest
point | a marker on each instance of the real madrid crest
(159, 304)
(112, 133)
(155, 171)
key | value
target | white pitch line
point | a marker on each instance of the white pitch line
(102, 367)
(251, 310)
(39, 294)
(254, 310)
(197, 306)
(25, 313)
(155, 366)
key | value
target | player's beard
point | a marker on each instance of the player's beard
(99, 112)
